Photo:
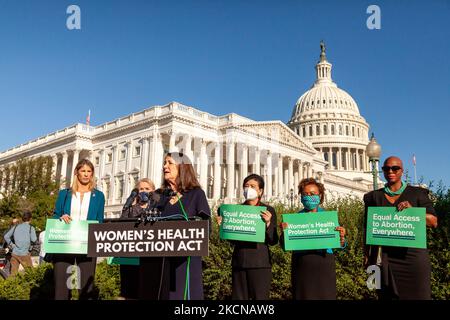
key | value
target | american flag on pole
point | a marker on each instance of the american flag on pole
(414, 159)
(415, 173)
(88, 118)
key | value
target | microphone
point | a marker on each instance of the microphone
(130, 199)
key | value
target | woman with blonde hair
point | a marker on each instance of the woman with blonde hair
(80, 202)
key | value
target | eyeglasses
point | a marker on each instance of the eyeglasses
(393, 168)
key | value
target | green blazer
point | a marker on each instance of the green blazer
(96, 205)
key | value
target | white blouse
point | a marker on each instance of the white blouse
(79, 209)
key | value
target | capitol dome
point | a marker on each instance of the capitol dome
(329, 118)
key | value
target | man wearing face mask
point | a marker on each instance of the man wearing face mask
(313, 273)
(251, 261)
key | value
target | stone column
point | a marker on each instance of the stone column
(76, 155)
(217, 171)
(158, 162)
(65, 157)
(203, 166)
(358, 162)
(290, 174)
(115, 160)
(144, 157)
(172, 140)
(310, 171)
(280, 175)
(276, 178)
(257, 166)
(300, 171)
(244, 164)
(230, 170)
(330, 158)
(269, 175)
(296, 176)
(127, 175)
(339, 159)
(347, 159)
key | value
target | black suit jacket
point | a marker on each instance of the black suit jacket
(256, 255)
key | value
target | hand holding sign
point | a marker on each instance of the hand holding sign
(341, 234)
(266, 216)
(66, 218)
(404, 205)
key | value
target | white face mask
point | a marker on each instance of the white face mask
(250, 194)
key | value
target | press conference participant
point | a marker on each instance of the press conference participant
(251, 261)
(181, 277)
(78, 203)
(134, 208)
(313, 272)
(405, 272)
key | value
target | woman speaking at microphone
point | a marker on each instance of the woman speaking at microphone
(79, 203)
(181, 277)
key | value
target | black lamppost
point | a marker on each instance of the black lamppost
(373, 151)
(291, 197)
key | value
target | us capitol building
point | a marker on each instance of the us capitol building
(325, 138)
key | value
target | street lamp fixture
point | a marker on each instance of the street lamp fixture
(373, 151)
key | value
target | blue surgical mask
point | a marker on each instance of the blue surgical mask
(143, 196)
(310, 202)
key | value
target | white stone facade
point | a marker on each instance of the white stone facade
(224, 150)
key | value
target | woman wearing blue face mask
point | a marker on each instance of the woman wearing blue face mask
(251, 262)
(130, 275)
(313, 274)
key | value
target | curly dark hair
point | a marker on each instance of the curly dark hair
(307, 182)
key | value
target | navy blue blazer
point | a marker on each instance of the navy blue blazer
(96, 205)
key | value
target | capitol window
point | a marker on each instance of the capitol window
(137, 151)
(340, 130)
(332, 129)
(310, 131)
(122, 154)
(325, 130)
(318, 130)
(109, 157)
(347, 131)
(304, 132)
(97, 161)
(353, 131)
(358, 133)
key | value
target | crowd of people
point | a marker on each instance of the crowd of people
(406, 271)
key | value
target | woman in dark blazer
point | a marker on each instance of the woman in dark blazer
(405, 272)
(251, 262)
(177, 278)
(81, 202)
(313, 272)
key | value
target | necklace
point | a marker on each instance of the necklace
(391, 193)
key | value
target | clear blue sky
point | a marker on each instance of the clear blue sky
(254, 58)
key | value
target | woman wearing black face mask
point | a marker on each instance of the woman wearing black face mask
(129, 274)
(251, 263)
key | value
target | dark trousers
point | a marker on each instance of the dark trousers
(63, 271)
(129, 281)
(154, 278)
(251, 283)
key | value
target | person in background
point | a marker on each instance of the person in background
(130, 274)
(313, 272)
(251, 262)
(19, 238)
(405, 272)
(81, 202)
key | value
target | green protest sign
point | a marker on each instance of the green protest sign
(130, 261)
(243, 223)
(312, 230)
(388, 227)
(61, 237)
